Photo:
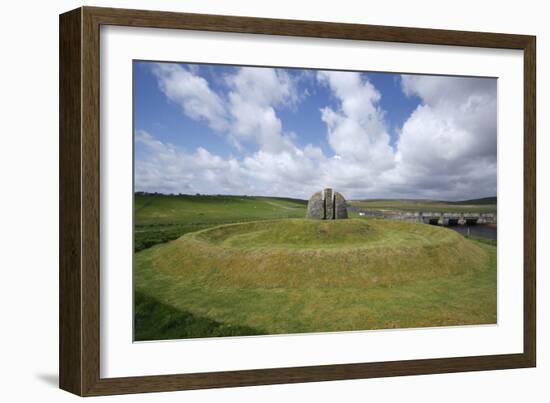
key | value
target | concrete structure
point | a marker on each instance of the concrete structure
(433, 217)
(458, 218)
(327, 205)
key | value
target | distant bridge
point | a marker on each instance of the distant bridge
(434, 218)
(461, 218)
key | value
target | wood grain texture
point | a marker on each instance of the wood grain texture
(316, 29)
(530, 202)
(70, 273)
(80, 200)
(90, 202)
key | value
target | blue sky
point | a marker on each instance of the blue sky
(155, 113)
(252, 130)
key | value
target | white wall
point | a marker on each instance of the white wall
(29, 201)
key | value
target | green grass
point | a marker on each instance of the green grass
(425, 205)
(295, 276)
(157, 321)
(492, 242)
(162, 218)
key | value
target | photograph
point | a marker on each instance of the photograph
(275, 200)
(249, 198)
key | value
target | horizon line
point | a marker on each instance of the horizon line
(298, 198)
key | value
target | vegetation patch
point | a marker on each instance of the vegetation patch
(486, 205)
(157, 321)
(163, 218)
(297, 275)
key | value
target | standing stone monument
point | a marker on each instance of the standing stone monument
(327, 205)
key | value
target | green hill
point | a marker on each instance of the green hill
(486, 205)
(297, 275)
(162, 218)
(482, 201)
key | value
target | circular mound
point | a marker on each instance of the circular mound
(294, 233)
(325, 234)
(309, 253)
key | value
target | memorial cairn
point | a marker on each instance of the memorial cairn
(327, 205)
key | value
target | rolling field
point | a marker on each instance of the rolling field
(487, 205)
(282, 275)
(162, 218)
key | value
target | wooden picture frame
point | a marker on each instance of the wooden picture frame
(79, 346)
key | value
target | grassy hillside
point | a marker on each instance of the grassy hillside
(162, 218)
(487, 205)
(483, 200)
(293, 276)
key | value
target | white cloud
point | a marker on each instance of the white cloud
(446, 149)
(448, 144)
(166, 168)
(263, 86)
(357, 134)
(253, 95)
(246, 113)
(356, 129)
(192, 93)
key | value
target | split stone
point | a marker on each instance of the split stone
(327, 205)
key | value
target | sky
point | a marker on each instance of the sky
(216, 129)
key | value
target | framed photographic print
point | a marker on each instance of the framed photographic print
(249, 201)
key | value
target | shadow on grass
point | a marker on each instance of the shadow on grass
(155, 320)
(146, 236)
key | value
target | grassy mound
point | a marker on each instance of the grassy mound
(305, 253)
(295, 275)
(163, 218)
